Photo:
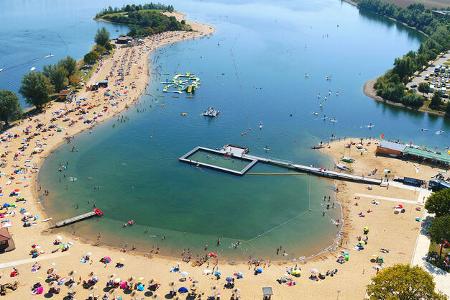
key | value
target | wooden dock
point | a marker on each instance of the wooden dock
(284, 164)
(316, 171)
(88, 215)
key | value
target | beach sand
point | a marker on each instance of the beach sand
(395, 232)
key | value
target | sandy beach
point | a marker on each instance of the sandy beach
(26, 145)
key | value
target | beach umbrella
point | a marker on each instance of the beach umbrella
(117, 280)
(239, 275)
(106, 260)
(217, 273)
(207, 271)
(212, 254)
(140, 279)
(123, 285)
(259, 270)
(229, 279)
(140, 287)
(182, 290)
(314, 271)
(184, 274)
(39, 290)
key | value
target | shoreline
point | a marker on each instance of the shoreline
(200, 31)
(369, 91)
(157, 266)
(358, 270)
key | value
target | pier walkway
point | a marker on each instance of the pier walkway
(315, 171)
(88, 215)
(242, 153)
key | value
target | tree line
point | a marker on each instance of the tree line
(147, 22)
(391, 86)
(38, 88)
(135, 7)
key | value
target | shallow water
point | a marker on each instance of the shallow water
(253, 71)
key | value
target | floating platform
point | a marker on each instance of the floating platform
(231, 152)
(243, 164)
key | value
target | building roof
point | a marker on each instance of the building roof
(4, 235)
(393, 146)
(443, 157)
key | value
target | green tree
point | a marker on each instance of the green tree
(440, 230)
(69, 64)
(102, 37)
(403, 282)
(436, 101)
(439, 203)
(57, 75)
(90, 58)
(36, 89)
(424, 87)
(9, 106)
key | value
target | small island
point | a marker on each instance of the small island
(144, 20)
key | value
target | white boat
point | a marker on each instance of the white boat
(1, 70)
(33, 69)
(211, 112)
(48, 56)
(439, 132)
(370, 126)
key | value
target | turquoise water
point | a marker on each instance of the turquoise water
(253, 71)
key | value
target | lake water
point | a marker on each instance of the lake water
(253, 70)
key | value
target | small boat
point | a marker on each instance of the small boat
(439, 132)
(33, 69)
(423, 129)
(129, 223)
(347, 159)
(370, 126)
(48, 56)
(211, 112)
(342, 167)
(1, 70)
(333, 120)
(266, 148)
(315, 113)
(261, 125)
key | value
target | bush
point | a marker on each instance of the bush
(90, 58)
(424, 87)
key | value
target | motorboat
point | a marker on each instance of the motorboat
(211, 112)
